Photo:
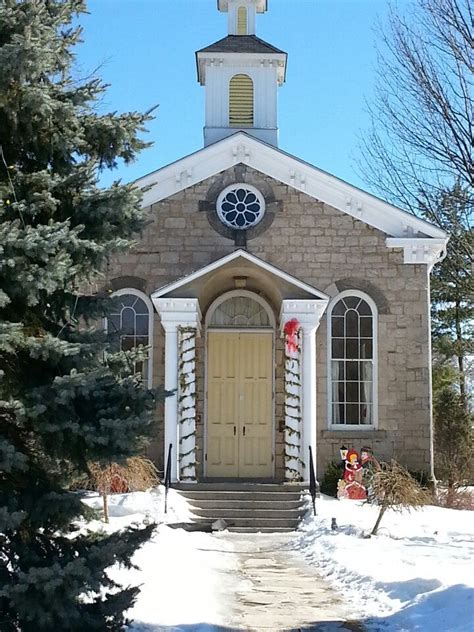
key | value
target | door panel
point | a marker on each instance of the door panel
(256, 418)
(222, 404)
(239, 410)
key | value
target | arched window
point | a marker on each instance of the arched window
(240, 309)
(132, 321)
(241, 101)
(352, 360)
(242, 21)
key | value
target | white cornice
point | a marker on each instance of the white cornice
(241, 60)
(242, 148)
(416, 250)
(160, 292)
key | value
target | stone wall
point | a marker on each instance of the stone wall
(331, 251)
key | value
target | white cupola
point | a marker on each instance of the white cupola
(241, 74)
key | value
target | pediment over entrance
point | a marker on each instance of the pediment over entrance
(239, 269)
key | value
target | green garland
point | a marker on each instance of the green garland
(292, 409)
(187, 380)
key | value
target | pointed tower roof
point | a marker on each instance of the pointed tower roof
(241, 44)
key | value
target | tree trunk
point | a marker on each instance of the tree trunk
(383, 509)
(105, 500)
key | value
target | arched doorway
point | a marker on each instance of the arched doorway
(239, 439)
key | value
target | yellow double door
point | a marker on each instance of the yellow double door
(239, 405)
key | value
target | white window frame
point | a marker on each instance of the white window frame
(151, 311)
(373, 307)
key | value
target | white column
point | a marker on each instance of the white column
(171, 402)
(175, 313)
(308, 313)
(308, 387)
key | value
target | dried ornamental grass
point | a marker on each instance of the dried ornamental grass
(394, 487)
(137, 474)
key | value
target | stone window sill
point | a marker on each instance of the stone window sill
(353, 433)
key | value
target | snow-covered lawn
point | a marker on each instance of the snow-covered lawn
(181, 574)
(416, 575)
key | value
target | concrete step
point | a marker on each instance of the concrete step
(257, 523)
(254, 514)
(246, 507)
(226, 503)
(241, 496)
(241, 487)
(261, 529)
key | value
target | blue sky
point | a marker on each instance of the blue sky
(145, 50)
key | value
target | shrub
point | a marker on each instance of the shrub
(394, 488)
(137, 474)
(333, 473)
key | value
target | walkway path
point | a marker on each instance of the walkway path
(279, 591)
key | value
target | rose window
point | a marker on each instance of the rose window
(240, 206)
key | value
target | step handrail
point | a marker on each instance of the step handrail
(168, 476)
(313, 490)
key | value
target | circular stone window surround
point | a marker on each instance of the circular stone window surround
(240, 206)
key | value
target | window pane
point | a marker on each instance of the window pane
(141, 340)
(338, 326)
(365, 394)
(338, 392)
(352, 413)
(128, 342)
(338, 415)
(352, 301)
(338, 372)
(339, 309)
(366, 326)
(128, 321)
(140, 306)
(352, 371)
(352, 348)
(142, 325)
(352, 391)
(366, 348)
(366, 371)
(365, 413)
(113, 323)
(364, 308)
(352, 324)
(338, 348)
(127, 300)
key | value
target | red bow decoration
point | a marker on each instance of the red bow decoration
(291, 330)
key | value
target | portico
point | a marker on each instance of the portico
(257, 393)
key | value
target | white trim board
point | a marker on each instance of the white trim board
(243, 254)
(242, 148)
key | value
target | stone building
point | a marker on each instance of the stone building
(286, 308)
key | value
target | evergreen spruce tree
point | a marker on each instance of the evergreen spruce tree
(64, 400)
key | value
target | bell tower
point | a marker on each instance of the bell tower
(241, 74)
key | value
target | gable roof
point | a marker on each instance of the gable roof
(241, 44)
(302, 176)
(233, 256)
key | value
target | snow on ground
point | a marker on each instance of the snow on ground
(181, 574)
(417, 574)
